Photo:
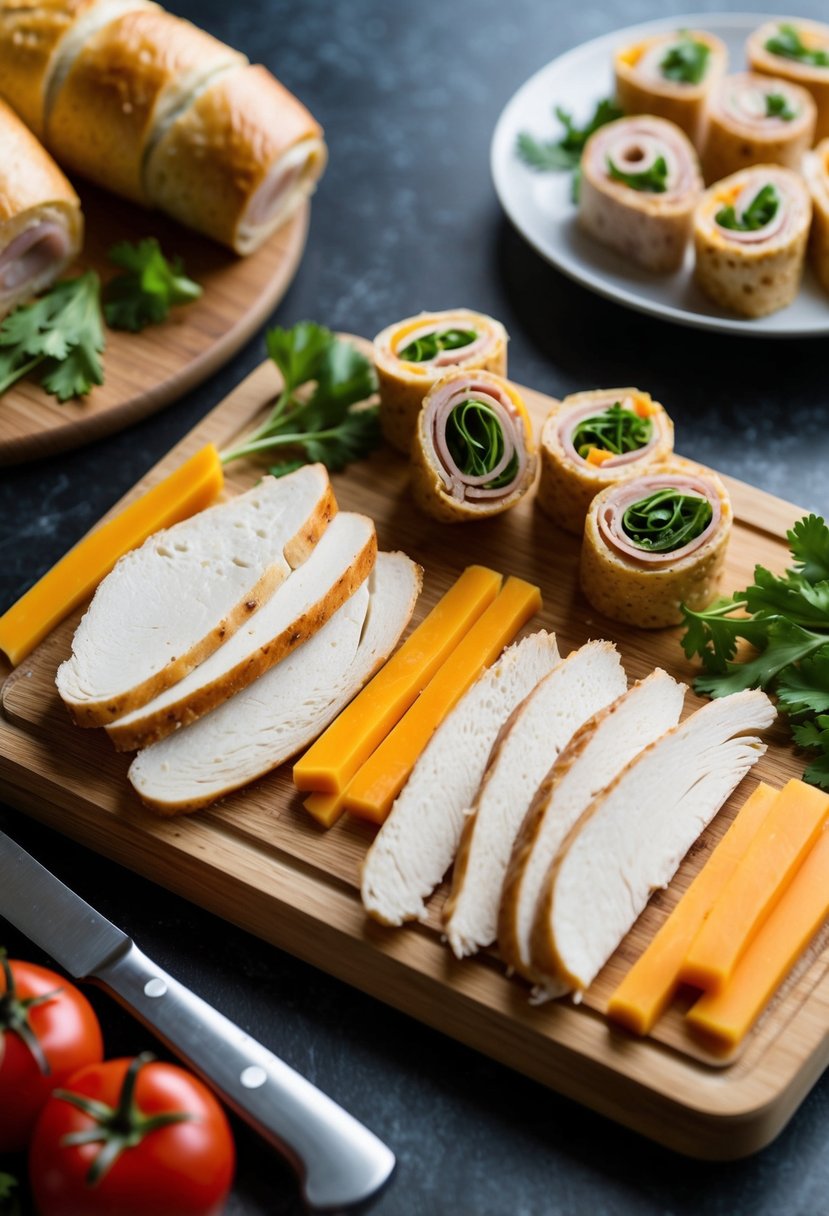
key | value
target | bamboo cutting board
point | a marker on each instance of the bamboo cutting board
(258, 860)
(146, 371)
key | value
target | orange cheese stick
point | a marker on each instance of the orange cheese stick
(325, 808)
(375, 787)
(189, 489)
(649, 986)
(774, 856)
(727, 1016)
(331, 762)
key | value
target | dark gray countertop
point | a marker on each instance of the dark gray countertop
(405, 219)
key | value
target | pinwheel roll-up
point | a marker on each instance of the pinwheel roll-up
(239, 161)
(654, 542)
(640, 181)
(592, 440)
(41, 226)
(411, 355)
(816, 171)
(671, 75)
(473, 453)
(796, 50)
(750, 233)
(756, 120)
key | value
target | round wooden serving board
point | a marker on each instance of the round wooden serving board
(144, 372)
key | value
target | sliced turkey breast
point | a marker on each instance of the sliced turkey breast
(285, 709)
(631, 839)
(170, 603)
(587, 680)
(341, 561)
(416, 845)
(596, 754)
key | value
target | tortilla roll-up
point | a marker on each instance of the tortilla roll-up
(239, 161)
(41, 225)
(816, 172)
(640, 181)
(756, 120)
(750, 233)
(795, 50)
(671, 76)
(473, 453)
(127, 81)
(654, 542)
(38, 41)
(592, 440)
(411, 355)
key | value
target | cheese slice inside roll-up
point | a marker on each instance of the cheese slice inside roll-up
(796, 50)
(473, 453)
(239, 161)
(670, 76)
(640, 181)
(591, 440)
(39, 40)
(754, 119)
(411, 355)
(654, 542)
(750, 233)
(41, 226)
(816, 172)
(126, 84)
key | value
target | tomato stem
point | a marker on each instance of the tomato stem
(14, 1014)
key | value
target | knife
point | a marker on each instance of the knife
(341, 1164)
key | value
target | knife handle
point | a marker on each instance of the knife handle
(341, 1164)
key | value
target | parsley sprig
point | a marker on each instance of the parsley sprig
(149, 288)
(314, 417)
(785, 619)
(614, 430)
(777, 106)
(60, 336)
(761, 211)
(789, 45)
(653, 180)
(564, 153)
(686, 61)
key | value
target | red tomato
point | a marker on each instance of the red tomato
(182, 1168)
(63, 1027)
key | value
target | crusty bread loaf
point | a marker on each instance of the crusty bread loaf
(587, 680)
(416, 845)
(631, 839)
(169, 604)
(340, 562)
(285, 709)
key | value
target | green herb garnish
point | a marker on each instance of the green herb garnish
(777, 106)
(422, 350)
(666, 520)
(60, 335)
(789, 45)
(786, 620)
(565, 152)
(475, 439)
(652, 181)
(615, 430)
(320, 422)
(9, 1190)
(151, 286)
(761, 211)
(686, 61)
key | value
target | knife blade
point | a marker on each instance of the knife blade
(341, 1164)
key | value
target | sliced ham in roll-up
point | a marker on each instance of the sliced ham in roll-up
(671, 76)
(797, 50)
(756, 120)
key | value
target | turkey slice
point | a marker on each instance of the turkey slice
(417, 843)
(285, 709)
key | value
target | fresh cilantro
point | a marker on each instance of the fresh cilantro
(784, 619)
(60, 335)
(777, 106)
(686, 61)
(789, 45)
(151, 286)
(651, 181)
(565, 152)
(761, 211)
(320, 411)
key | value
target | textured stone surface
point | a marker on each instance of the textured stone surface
(406, 218)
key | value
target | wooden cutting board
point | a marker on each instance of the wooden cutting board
(144, 372)
(258, 860)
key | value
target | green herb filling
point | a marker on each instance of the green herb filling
(615, 430)
(761, 211)
(651, 181)
(788, 44)
(666, 520)
(475, 439)
(686, 62)
(422, 350)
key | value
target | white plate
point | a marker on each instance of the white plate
(539, 204)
